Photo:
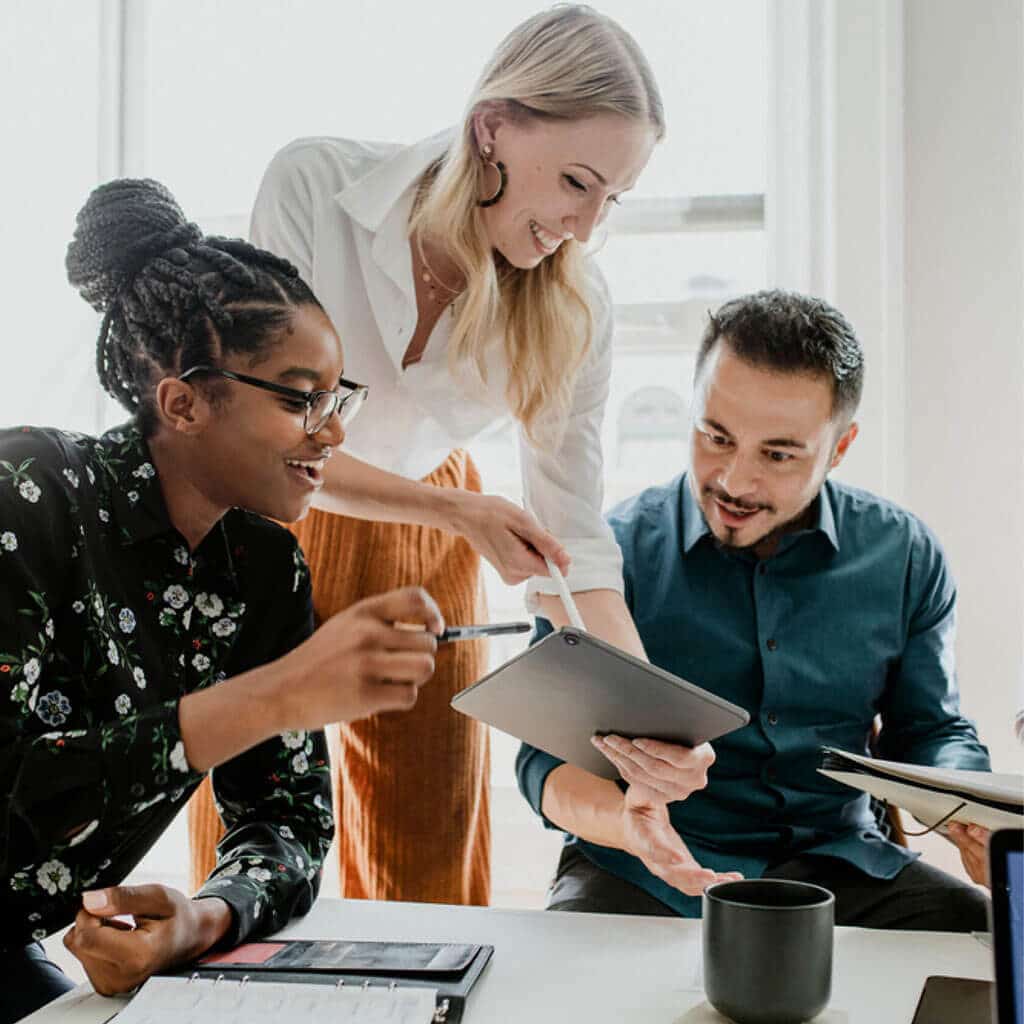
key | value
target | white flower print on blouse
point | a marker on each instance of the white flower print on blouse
(49, 629)
(90, 474)
(144, 472)
(8, 541)
(260, 874)
(300, 764)
(232, 869)
(176, 596)
(112, 655)
(223, 627)
(181, 554)
(126, 620)
(71, 476)
(104, 515)
(97, 606)
(53, 708)
(186, 617)
(123, 704)
(78, 607)
(201, 662)
(286, 832)
(20, 692)
(29, 490)
(178, 760)
(53, 876)
(31, 671)
(133, 496)
(210, 605)
(293, 739)
(140, 678)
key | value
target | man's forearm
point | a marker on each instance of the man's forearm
(605, 615)
(584, 805)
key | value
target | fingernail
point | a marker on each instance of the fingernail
(94, 900)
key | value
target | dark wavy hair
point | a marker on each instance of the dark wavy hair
(791, 333)
(171, 297)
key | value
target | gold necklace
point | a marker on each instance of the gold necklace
(432, 280)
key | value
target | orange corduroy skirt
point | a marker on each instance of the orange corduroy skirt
(411, 789)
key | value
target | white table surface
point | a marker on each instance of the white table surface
(552, 968)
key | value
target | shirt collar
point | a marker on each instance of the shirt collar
(695, 525)
(370, 199)
(137, 500)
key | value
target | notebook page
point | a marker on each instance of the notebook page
(203, 1001)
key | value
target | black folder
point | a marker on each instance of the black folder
(451, 968)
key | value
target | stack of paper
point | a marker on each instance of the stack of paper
(930, 794)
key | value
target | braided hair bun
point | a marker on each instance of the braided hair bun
(123, 225)
(170, 296)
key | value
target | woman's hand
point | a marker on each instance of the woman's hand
(170, 929)
(508, 537)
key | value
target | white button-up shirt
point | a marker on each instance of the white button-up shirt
(339, 210)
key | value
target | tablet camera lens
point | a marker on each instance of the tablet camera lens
(571, 640)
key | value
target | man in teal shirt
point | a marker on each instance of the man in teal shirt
(815, 606)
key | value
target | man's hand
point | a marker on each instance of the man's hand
(664, 771)
(659, 773)
(650, 835)
(170, 929)
(972, 842)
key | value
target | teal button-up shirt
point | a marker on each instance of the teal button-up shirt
(850, 618)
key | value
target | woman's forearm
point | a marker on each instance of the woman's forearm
(357, 489)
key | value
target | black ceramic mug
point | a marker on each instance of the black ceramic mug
(768, 950)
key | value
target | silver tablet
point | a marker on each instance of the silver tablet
(570, 685)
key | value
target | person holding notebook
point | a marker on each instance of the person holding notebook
(457, 271)
(154, 626)
(812, 604)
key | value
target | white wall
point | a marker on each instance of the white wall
(964, 251)
(896, 190)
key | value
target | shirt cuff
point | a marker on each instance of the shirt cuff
(533, 768)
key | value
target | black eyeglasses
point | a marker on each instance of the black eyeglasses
(320, 405)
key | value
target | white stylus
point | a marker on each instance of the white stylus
(575, 619)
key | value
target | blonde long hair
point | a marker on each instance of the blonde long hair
(567, 63)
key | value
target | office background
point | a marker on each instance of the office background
(870, 151)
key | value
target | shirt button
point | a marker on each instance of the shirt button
(772, 718)
(771, 644)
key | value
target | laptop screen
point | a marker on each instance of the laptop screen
(1007, 865)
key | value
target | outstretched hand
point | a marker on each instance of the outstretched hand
(659, 773)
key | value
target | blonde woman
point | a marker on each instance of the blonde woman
(456, 272)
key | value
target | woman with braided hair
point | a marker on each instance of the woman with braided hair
(137, 570)
(456, 271)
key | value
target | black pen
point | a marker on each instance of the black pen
(487, 629)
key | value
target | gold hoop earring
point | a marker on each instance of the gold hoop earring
(485, 154)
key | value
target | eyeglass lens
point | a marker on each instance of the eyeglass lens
(321, 410)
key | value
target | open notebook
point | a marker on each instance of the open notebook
(932, 794)
(170, 1000)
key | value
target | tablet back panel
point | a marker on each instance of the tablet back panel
(570, 685)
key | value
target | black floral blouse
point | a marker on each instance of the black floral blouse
(106, 621)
